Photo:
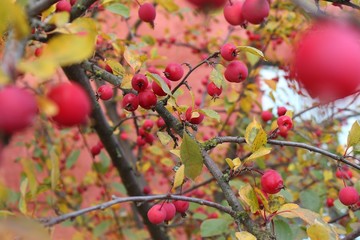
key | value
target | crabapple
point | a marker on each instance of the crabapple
(255, 11)
(233, 13)
(236, 72)
(63, 6)
(281, 111)
(139, 82)
(170, 211)
(95, 150)
(130, 102)
(228, 51)
(160, 122)
(157, 88)
(105, 92)
(174, 72)
(207, 4)
(284, 121)
(213, 90)
(73, 104)
(72, 2)
(38, 51)
(194, 120)
(148, 124)
(156, 214)
(271, 182)
(147, 12)
(181, 206)
(140, 141)
(18, 109)
(147, 99)
(348, 196)
(329, 202)
(147, 190)
(266, 116)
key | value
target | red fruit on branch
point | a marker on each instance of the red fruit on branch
(139, 82)
(330, 202)
(271, 182)
(73, 104)
(181, 206)
(38, 51)
(255, 11)
(170, 211)
(194, 119)
(174, 72)
(266, 116)
(95, 150)
(148, 124)
(233, 13)
(156, 214)
(130, 102)
(147, 99)
(63, 6)
(213, 90)
(327, 72)
(18, 109)
(147, 12)
(160, 122)
(228, 51)
(281, 111)
(105, 92)
(236, 72)
(285, 122)
(348, 196)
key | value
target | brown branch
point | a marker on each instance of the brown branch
(40, 6)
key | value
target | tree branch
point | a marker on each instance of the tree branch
(39, 7)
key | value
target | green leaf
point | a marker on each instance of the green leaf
(251, 50)
(72, 158)
(119, 187)
(217, 76)
(282, 230)
(191, 157)
(179, 177)
(119, 9)
(318, 232)
(310, 200)
(211, 114)
(160, 81)
(101, 228)
(164, 137)
(248, 196)
(354, 135)
(213, 227)
(169, 5)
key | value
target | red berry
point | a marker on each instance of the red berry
(140, 141)
(343, 173)
(157, 88)
(149, 138)
(348, 196)
(63, 6)
(130, 102)
(108, 68)
(271, 182)
(236, 72)
(329, 202)
(100, 144)
(191, 119)
(174, 71)
(266, 116)
(181, 206)
(73, 104)
(148, 124)
(281, 111)
(124, 136)
(326, 72)
(72, 2)
(156, 214)
(255, 11)
(18, 109)
(38, 51)
(207, 4)
(233, 14)
(139, 82)
(228, 51)
(160, 122)
(284, 121)
(213, 90)
(147, 190)
(213, 215)
(147, 12)
(105, 92)
(95, 150)
(170, 211)
(147, 99)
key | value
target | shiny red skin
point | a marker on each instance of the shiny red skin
(194, 120)
(139, 82)
(255, 11)
(348, 196)
(158, 90)
(174, 72)
(285, 121)
(327, 72)
(233, 13)
(228, 51)
(38, 51)
(236, 72)
(266, 116)
(18, 109)
(330, 202)
(73, 104)
(95, 150)
(160, 123)
(213, 90)
(105, 92)
(271, 182)
(147, 12)
(148, 124)
(281, 111)
(130, 102)
(63, 6)
(181, 206)
(147, 99)
(170, 211)
(156, 214)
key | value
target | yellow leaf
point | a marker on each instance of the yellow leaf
(176, 152)
(5, 213)
(116, 67)
(243, 235)
(22, 200)
(271, 83)
(55, 168)
(29, 170)
(259, 141)
(179, 176)
(169, 5)
(248, 197)
(318, 232)
(354, 134)
(237, 163)
(255, 136)
(47, 66)
(126, 81)
(132, 59)
(260, 195)
(251, 50)
(46, 106)
(3, 78)
(12, 14)
(275, 203)
(230, 163)
(262, 151)
(286, 210)
(59, 19)
(164, 137)
(328, 175)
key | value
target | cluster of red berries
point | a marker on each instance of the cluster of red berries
(252, 11)
(284, 122)
(144, 133)
(236, 71)
(166, 211)
(96, 149)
